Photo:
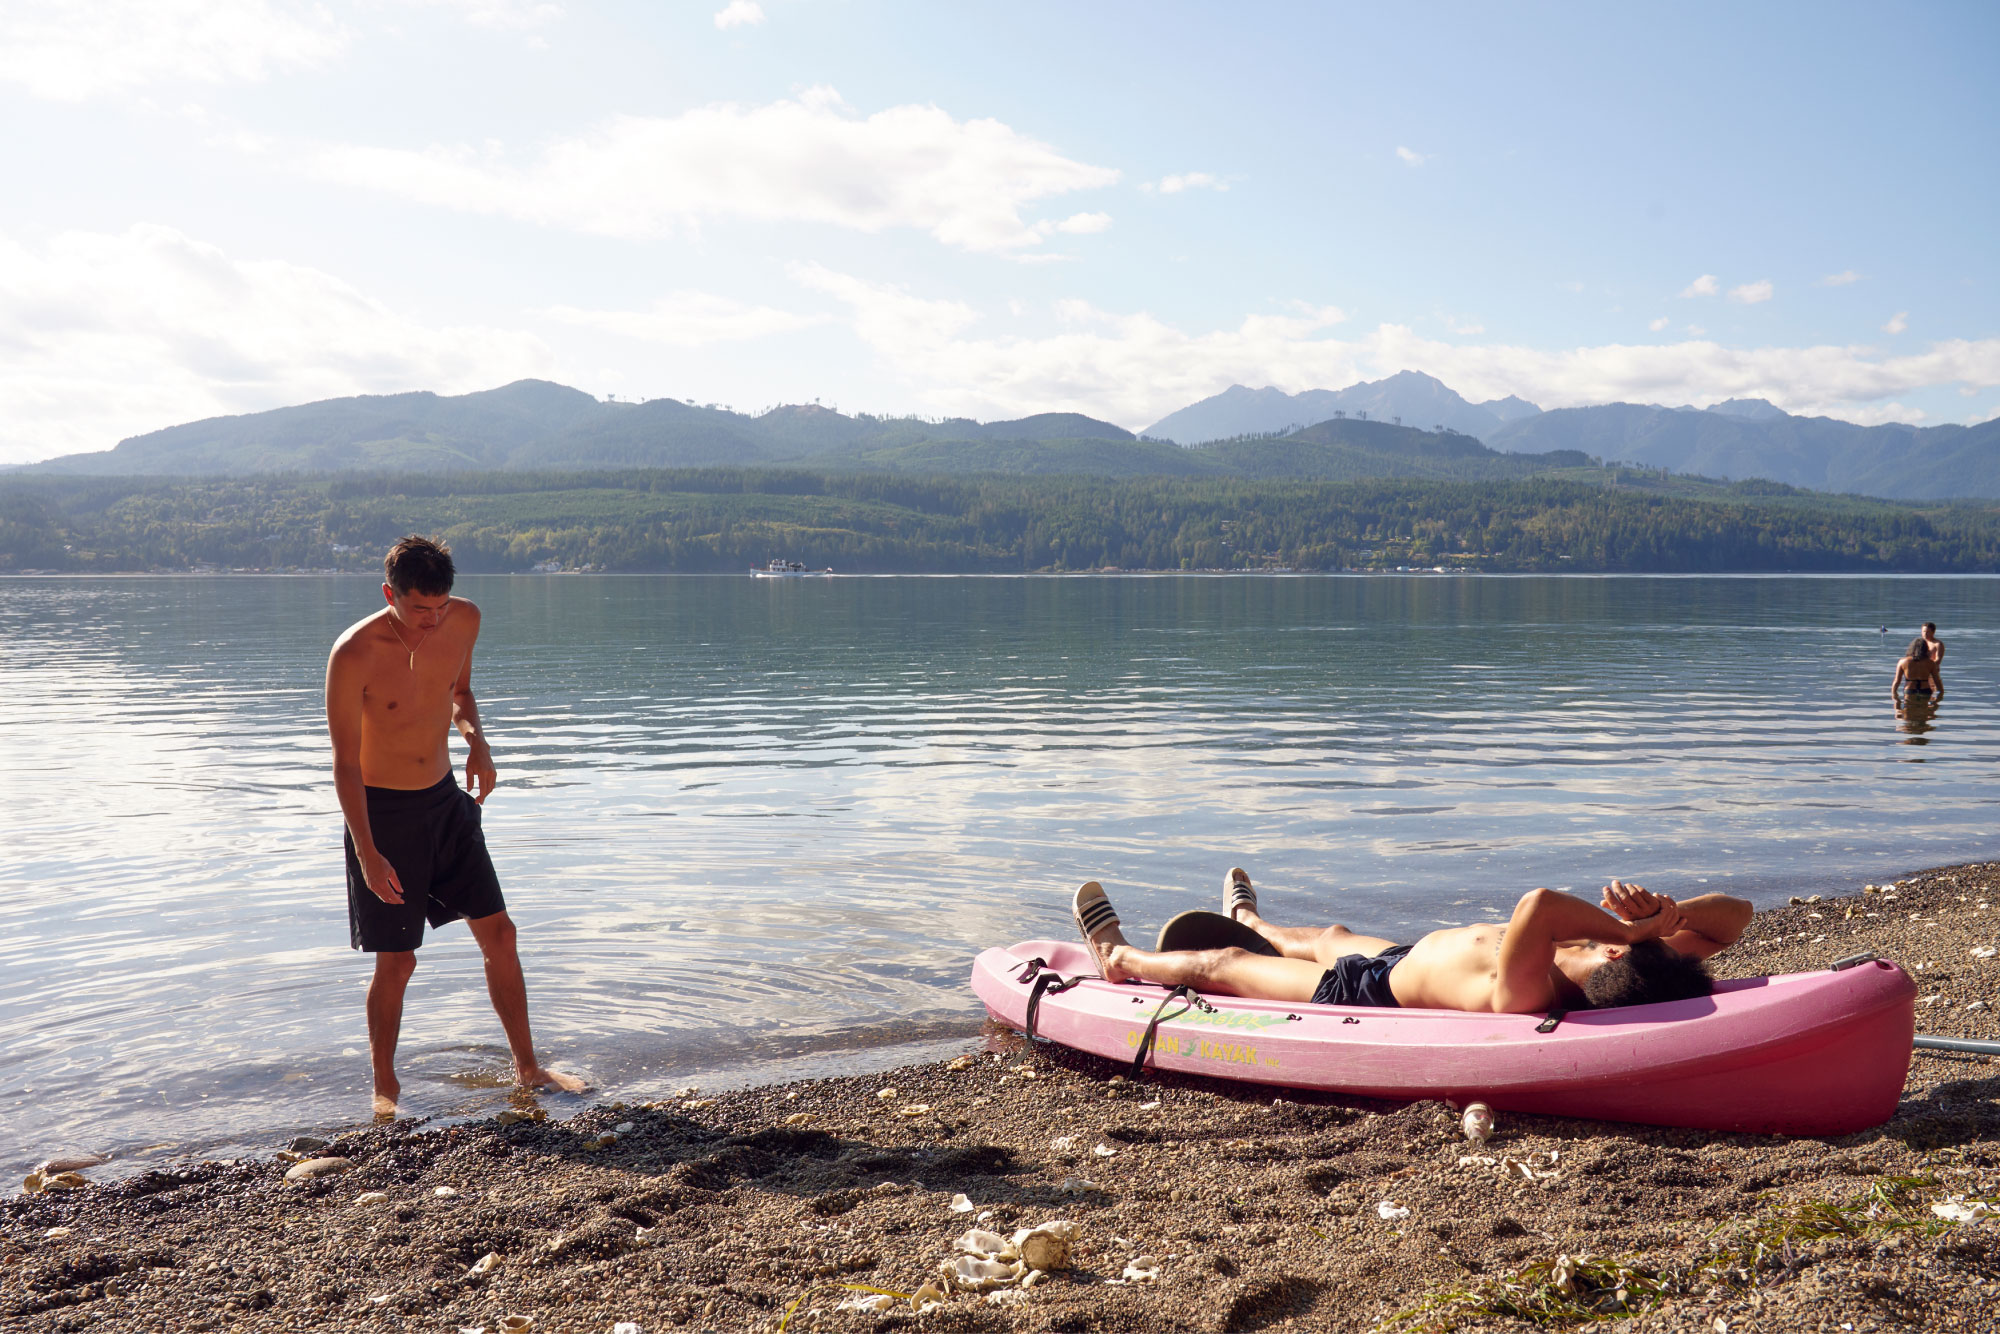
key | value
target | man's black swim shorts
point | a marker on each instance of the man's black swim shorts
(432, 837)
(1360, 979)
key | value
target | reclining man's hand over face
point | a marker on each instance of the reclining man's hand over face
(1631, 902)
(1662, 922)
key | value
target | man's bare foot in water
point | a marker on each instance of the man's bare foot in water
(534, 1077)
(387, 1092)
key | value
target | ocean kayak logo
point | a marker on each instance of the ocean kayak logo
(1212, 1049)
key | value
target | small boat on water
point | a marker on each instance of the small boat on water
(787, 569)
(1822, 1053)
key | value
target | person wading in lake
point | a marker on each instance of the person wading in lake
(1555, 952)
(1933, 643)
(396, 684)
(1917, 674)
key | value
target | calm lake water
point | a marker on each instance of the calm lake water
(755, 829)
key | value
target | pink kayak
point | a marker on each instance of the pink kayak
(1820, 1053)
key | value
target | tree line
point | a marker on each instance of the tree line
(697, 520)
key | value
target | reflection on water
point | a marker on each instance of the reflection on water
(760, 827)
(1914, 714)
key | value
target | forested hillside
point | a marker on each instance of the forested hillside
(727, 519)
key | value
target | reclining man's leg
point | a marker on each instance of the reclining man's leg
(1224, 972)
(1231, 972)
(1322, 945)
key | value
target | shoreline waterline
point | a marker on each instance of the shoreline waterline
(1248, 1206)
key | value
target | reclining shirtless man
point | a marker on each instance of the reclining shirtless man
(1556, 952)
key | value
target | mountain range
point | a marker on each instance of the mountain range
(1423, 400)
(1346, 434)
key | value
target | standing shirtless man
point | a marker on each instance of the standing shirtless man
(396, 684)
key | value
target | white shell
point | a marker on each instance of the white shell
(924, 1298)
(976, 1275)
(981, 1242)
(961, 1205)
(875, 1302)
(1105, 1151)
(444, 1192)
(1143, 1269)
(516, 1324)
(1390, 1211)
(628, 1327)
(886, 1095)
(1006, 1297)
(485, 1264)
(372, 1197)
(1958, 1210)
(915, 1109)
(1046, 1246)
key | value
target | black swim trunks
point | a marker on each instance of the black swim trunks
(432, 837)
(1361, 979)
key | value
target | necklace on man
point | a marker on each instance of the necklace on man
(405, 643)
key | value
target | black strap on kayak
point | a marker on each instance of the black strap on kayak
(1049, 983)
(1189, 1001)
(1852, 961)
(1548, 1025)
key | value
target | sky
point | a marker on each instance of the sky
(989, 210)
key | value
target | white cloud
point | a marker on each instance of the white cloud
(690, 319)
(1897, 322)
(1134, 368)
(739, 13)
(1464, 328)
(1841, 279)
(1188, 180)
(806, 159)
(108, 335)
(885, 315)
(1659, 324)
(505, 15)
(1080, 224)
(1412, 157)
(69, 50)
(1750, 294)
(1706, 285)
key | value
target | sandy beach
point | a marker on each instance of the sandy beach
(1192, 1204)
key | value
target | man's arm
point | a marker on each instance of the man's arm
(1545, 918)
(1710, 923)
(343, 725)
(480, 776)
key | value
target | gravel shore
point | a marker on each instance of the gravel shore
(1195, 1205)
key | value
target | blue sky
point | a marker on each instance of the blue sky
(226, 205)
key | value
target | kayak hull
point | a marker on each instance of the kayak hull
(1823, 1053)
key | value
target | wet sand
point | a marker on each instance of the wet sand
(1258, 1208)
